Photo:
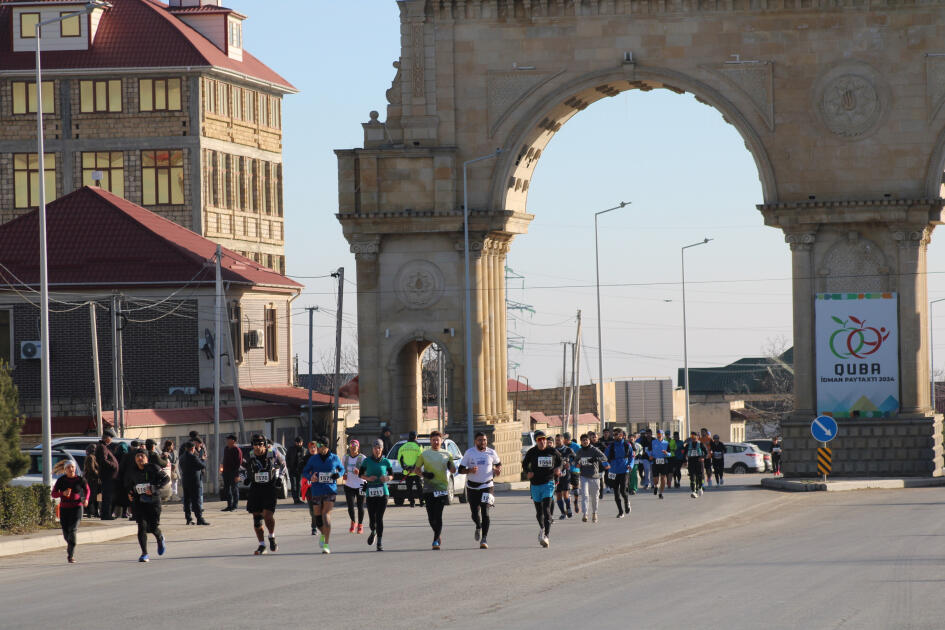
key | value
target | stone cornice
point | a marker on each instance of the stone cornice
(792, 215)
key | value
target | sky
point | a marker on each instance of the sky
(685, 171)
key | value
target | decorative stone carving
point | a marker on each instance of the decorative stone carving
(913, 237)
(394, 96)
(756, 80)
(419, 61)
(366, 246)
(854, 263)
(419, 284)
(505, 90)
(851, 100)
(803, 241)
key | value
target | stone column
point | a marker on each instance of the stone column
(478, 332)
(489, 336)
(503, 363)
(802, 270)
(915, 397)
(366, 250)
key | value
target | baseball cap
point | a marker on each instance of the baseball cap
(539, 434)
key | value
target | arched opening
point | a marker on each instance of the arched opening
(421, 374)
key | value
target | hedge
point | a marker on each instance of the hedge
(24, 509)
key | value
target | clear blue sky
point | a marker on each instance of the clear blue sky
(686, 171)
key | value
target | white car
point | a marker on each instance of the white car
(398, 489)
(742, 457)
(34, 474)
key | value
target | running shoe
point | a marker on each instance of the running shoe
(321, 540)
(721, 482)
(620, 515)
(544, 541)
(654, 490)
(562, 517)
(144, 558)
(325, 549)
(477, 535)
(260, 550)
(70, 560)
(661, 495)
(371, 537)
(483, 544)
(380, 547)
(351, 529)
(694, 495)
(541, 537)
(436, 545)
(570, 514)
(162, 546)
(700, 492)
(272, 543)
(584, 518)
(594, 518)
(360, 528)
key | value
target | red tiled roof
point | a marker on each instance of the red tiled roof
(518, 386)
(199, 415)
(95, 238)
(136, 34)
(291, 395)
(61, 425)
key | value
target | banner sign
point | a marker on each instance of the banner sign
(857, 350)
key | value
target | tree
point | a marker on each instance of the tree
(778, 384)
(13, 463)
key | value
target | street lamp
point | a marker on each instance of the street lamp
(45, 398)
(932, 351)
(600, 344)
(467, 307)
(682, 255)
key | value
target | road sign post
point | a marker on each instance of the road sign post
(824, 429)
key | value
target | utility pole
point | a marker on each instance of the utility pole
(565, 402)
(115, 403)
(217, 363)
(341, 294)
(311, 377)
(235, 373)
(98, 380)
(577, 375)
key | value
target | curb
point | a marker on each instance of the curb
(46, 541)
(811, 485)
(511, 485)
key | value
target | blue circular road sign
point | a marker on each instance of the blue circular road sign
(823, 428)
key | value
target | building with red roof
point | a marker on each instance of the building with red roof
(157, 103)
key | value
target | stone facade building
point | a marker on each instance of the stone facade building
(159, 104)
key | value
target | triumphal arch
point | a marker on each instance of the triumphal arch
(840, 102)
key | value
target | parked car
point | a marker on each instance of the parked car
(742, 457)
(283, 483)
(34, 474)
(81, 442)
(398, 488)
(528, 441)
(765, 446)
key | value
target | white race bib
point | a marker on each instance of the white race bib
(488, 498)
(660, 461)
(585, 461)
(545, 461)
(375, 491)
(611, 475)
(142, 488)
(325, 477)
(262, 477)
(401, 486)
(776, 449)
(440, 493)
(717, 455)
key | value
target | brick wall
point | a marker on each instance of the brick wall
(548, 401)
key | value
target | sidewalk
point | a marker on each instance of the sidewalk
(90, 531)
(846, 484)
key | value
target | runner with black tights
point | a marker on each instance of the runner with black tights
(542, 464)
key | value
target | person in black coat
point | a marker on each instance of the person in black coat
(294, 461)
(126, 463)
(108, 473)
(191, 471)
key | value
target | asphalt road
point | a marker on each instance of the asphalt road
(738, 557)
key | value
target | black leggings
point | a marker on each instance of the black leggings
(480, 509)
(695, 474)
(677, 471)
(621, 493)
(776, 462)
(412, 482)
(718, 468)
(376, 506)
(435, 507)
(353, 496)
(543, 514)
(69, 521)
(149, 522)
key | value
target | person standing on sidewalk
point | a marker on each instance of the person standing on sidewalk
(354, 486)
(407, 455)
(170, 454)
(590, 460)
(232, 461)
(433, 464)
(73, 494)
(776, 450)
(108, 471)
(92, 478)
(191, 469)
(143, 484)
(295, 460)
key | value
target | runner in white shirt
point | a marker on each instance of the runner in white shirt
(480, 464)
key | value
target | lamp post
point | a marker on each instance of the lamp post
(45, 398)
(600, 343)
(932, 351)
(682, 256)
(467, 305)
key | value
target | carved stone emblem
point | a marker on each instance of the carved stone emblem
(419, 284)
(850, 105)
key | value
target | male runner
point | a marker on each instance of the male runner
(621, 459)
(323, 469)
(262, 470)
(718, 451)
(563, 485)
(433, 464)
(675, 447)
(480, 465)
(706, 441)
(575, 476)
(542, 464)
(143, 483)
(695, 456)
(590, 460)
(660, 455)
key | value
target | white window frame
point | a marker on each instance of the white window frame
(13, 356)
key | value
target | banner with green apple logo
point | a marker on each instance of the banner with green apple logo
(857, 349)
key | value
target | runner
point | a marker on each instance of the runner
(73, 494)
(706, 441)
(635, 474)
(376, 471)
(323, 469)
(563, 484)
(262, 470)
(143, 482)
(480, 464)
(575, 476)
(407, 455)
(621, 458)
(776, 449)
(695, 456)
(354, 492)
(542, 464)
(590, 460)
(675, 447)
(433, 465)
(304, 484)
(660, 455)
(599, 445)
(718, 451)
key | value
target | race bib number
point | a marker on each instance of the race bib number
(776, 449)
(440, 493)
(262, 477)
(325, 477)
(585, 461)
(488, 498)
(142, 488)
(375, 491)
(611, 476)
(694, 453)
(660, 461)
(717, 455)
(401, 486)
(545, 461)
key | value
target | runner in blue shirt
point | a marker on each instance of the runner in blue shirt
(323, 469)
(620, 456)
(660, 455)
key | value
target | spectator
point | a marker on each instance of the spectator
(171, 456)
(91, 474)
(155, 457)
(232, 461)
(108, 472)
(191, 470)
(385, 437)
(295, 458)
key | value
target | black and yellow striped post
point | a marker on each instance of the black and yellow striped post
(824, 460)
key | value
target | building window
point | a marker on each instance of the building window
(272, 336)
(24, 97)
(267, 186)
(214, 177)
(264, 110)
(279, 189)
(240, 184)
(109, 166)
(26, 178)
(227, 181)
(237, 103)
(162, 177)
(236, 34)
(28, 22)
(250, 109)
(254, 185)
(6, 337)
(222, 89)
(69, 27)
(236, 331)
(209, 95)
(275, 118)
(100, 96)
(159, 95)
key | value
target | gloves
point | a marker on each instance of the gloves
(428, 475)
(335, 476)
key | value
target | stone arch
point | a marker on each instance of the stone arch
(853, 262)
(403, 366)
(540, 117)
